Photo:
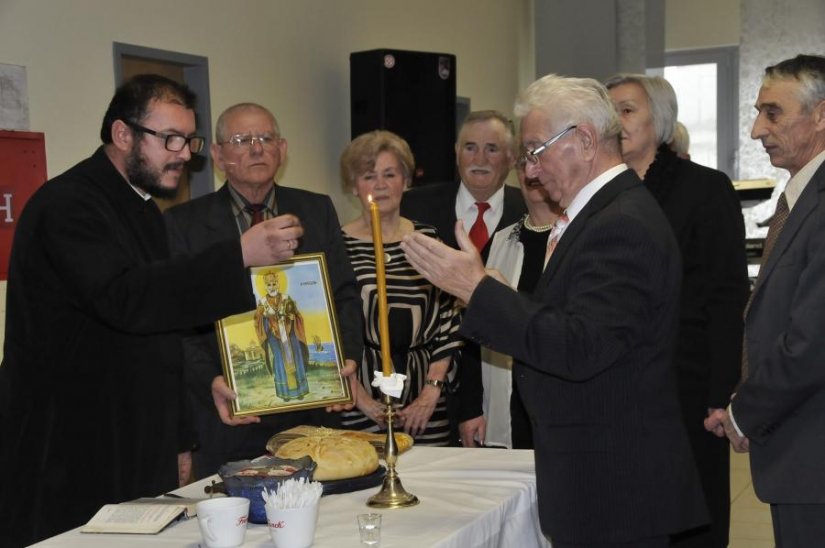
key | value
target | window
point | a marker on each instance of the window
(706, 85)
(696, 85)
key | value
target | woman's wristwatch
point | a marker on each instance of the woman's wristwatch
(436, 383)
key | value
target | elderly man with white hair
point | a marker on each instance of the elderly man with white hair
(592, 344)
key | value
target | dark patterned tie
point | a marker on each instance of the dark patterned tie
(257, 212)
(777, 223)
(478, 233)
(774, 229)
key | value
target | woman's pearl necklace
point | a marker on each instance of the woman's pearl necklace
(532, 228)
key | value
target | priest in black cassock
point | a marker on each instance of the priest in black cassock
(91, 393)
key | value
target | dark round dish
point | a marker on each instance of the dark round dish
(248, 478)
(336, 487)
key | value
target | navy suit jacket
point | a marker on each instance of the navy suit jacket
(780, 406)
(434, 205)
(593, 353)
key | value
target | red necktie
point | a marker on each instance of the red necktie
(257, 212)
(478, 233)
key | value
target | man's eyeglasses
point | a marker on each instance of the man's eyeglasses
(266, 141)
(532, 156)
(173, 142)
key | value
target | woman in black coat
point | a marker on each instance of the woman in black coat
(706, 217)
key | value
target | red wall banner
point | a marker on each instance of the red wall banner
(22, 171)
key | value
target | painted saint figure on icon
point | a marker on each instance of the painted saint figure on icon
(280, 329)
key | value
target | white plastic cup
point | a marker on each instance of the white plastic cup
(223, 521)
(292, 527)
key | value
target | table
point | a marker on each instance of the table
(469, 498)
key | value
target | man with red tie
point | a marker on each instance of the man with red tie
(485, 154)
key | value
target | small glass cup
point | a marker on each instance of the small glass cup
(369, 527)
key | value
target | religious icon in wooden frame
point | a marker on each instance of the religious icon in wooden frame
(285, 355)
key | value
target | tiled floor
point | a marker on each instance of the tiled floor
(750, 520)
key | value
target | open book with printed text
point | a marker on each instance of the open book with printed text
(141, 516)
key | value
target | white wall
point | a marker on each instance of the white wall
(773, 30)
(290, 55)
(701, 23)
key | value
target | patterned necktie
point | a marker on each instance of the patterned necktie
(774, 229)
(478, 233)
(257, 212)
(776, 226)
(555, 235)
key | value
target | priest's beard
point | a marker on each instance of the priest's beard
(146, 178)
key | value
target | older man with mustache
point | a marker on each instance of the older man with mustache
(485, 155)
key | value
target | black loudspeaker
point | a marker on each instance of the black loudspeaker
(410, 93)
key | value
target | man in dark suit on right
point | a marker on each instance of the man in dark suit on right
(593, 344)
(481, 199)
(778, 411)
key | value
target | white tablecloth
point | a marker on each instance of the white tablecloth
(469, 498)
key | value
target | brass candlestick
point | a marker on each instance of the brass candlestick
(392, 493)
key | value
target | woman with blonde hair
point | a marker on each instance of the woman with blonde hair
(423, 320)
